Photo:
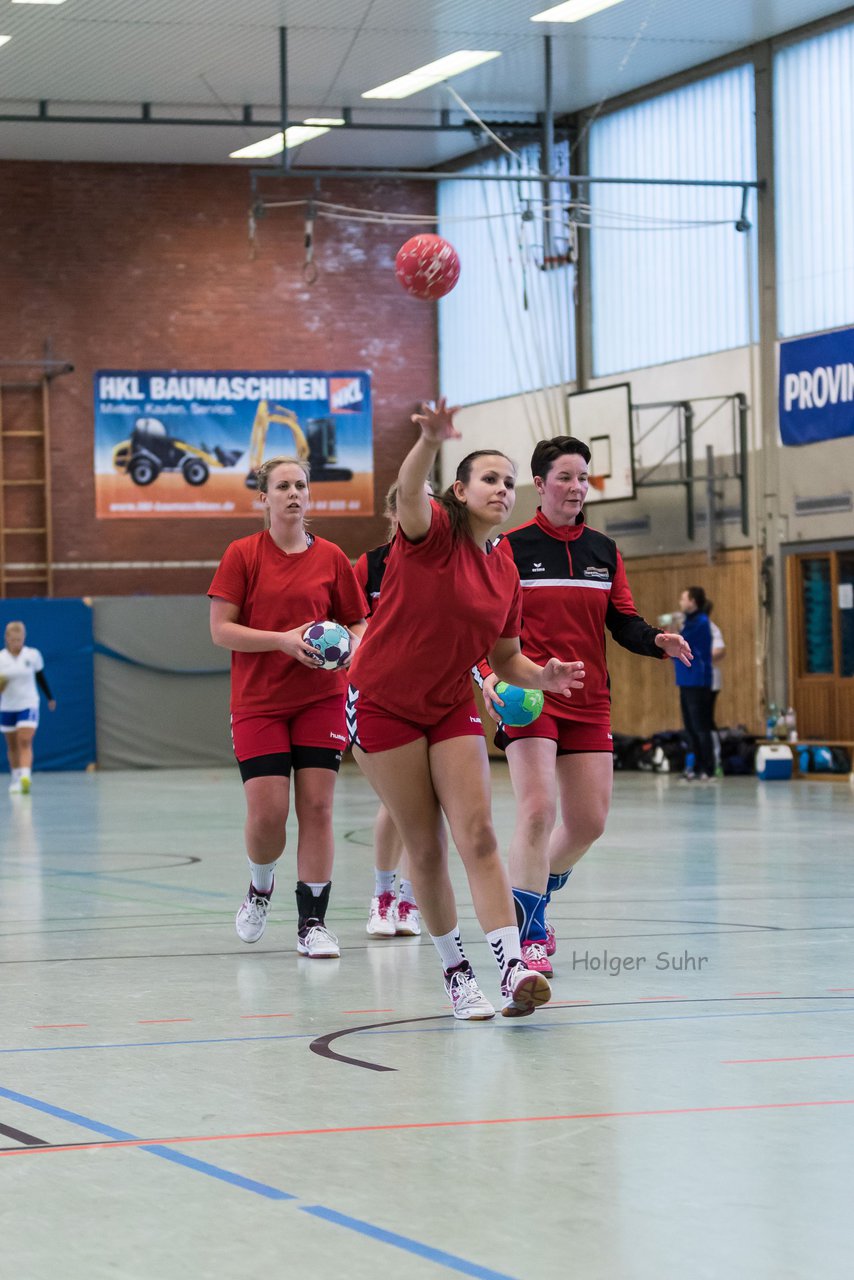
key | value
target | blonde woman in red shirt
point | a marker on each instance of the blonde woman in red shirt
(287, 714)
(447, 600)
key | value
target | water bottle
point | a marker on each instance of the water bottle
(792, 724)
(771, 721)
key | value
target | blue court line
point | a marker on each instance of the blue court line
(146, 884)
(165, 1153)
(449, 1260)
(450, 1029)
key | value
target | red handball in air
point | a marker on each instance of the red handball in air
(427, 267)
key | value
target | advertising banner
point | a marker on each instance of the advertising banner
(188, 444)
(817, 388)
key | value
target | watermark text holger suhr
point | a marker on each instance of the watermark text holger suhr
(612, 964)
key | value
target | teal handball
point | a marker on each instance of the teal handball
(521, 706)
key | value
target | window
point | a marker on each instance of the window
(814, 175)
(665, 286)
(508, 326)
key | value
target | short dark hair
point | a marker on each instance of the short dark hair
(547, 453)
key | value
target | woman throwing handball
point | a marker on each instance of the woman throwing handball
(286, 713)
(446, 600)
(573, 586)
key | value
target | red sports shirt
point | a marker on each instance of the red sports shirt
(444, 605)
(276, 591)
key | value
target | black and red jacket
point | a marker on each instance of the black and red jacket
(369, 570)
(574, 585)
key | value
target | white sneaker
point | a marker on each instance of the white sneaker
(251, 919)
(523, 990)
(318, 943)
(470, 1004)
(408, 924)
(15, 788)
(381, 921)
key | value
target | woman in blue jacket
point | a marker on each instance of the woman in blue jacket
(695, 683)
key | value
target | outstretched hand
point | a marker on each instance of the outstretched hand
(674, 646)
(562, 677)
(437, 421)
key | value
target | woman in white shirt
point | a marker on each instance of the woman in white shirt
(21, 677)
(718, 654)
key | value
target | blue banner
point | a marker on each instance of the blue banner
(62, 632)
(188, 443)
(817, 388)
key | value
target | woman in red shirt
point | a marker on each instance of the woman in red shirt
(414, 726)
(287, 713)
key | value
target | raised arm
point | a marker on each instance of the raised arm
(414, 512)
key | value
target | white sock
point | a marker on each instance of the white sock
(450, 948)
(505, 945)
(317, 889)
(407, 893)
(384, 881)
(262, 875)
(25, 773)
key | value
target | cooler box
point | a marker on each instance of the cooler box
(773, 762)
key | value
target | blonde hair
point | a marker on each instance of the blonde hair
(266, 469)
(15, 626)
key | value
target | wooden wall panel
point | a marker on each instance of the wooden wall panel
(644, 691)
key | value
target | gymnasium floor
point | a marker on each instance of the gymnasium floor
(174, 1103)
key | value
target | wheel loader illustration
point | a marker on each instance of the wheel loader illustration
(314, 445)
(151, 450)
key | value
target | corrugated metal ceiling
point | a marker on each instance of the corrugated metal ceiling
(216, 56)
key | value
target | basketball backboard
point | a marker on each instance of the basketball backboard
(602, 418)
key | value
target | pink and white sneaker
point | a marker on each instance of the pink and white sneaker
(382, 918)
(536, 957)
(551, 940)
(408, 919)
(523, 990)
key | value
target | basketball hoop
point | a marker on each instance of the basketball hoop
(597, 482)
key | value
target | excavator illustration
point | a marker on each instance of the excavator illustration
(151, 450)
(315, 445)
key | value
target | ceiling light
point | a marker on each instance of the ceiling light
(5, 39)
(38, 1)
(573, 10)
(432, 73)
(295, 136)
(329, 122)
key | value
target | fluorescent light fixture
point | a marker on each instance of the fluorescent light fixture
(5, 39)
(432, 73)
(38, 1)
(329, 122)
(574, 10)
(296, 135)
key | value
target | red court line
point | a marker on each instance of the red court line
(757, 993)
(147, 1022)
(266, 1015)
(810, 1057)
(50, 1026)
(428, 1124)
(840, 988)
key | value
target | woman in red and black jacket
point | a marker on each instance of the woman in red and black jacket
(573, 586)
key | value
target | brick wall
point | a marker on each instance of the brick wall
(145, 267)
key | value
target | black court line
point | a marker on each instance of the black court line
(26, 1139)
(321, 1045)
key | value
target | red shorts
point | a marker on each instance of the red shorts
(264, 733)
(372, 728)
(572, 736)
